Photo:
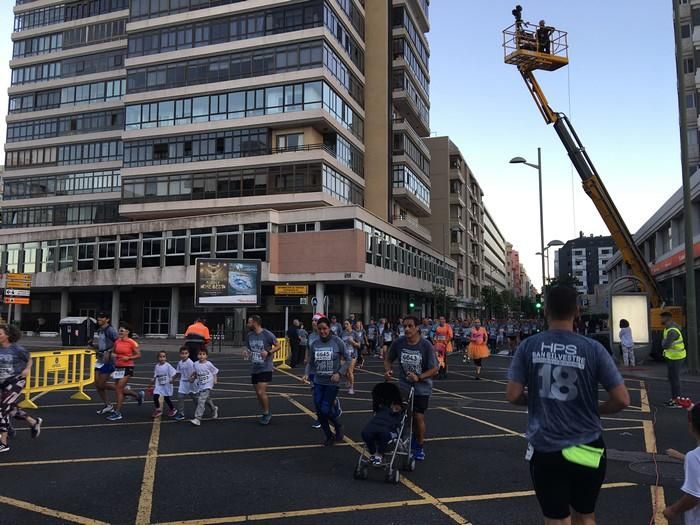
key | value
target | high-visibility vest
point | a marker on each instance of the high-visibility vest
(677, 349)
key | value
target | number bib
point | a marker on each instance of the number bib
(202, 379)
(118, 373)
(256, 358)
(324, 362)
(387, 337)
(162, 380)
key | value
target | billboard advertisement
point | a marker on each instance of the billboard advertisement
(634, 308)
(227, 282)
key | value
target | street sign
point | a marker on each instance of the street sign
(18, 285)
(314, 302)
(17, 292)
(289, 300)
(16, 300)
(19, 277)
(291, 289)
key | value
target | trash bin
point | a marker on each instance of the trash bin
(76, 331)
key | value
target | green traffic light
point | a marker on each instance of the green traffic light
(411, 305)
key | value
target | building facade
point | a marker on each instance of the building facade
(585, 259)
(495, 271)
(143, 135)
(456, 223)
(513, 270)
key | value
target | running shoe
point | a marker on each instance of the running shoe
(105, 410)
(4, 448)
(172, 412)
(114, 416)
(419, 453)
(671, 403)
(215, 413)
(180, 416)
(36, 429)
(196, 422)
(157, 413)
(141, 396)
(316, 425)
(265, 419)
(375, 460)
(351, 391)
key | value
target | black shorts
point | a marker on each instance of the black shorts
(560, 484)
(420, 403)
(128, 371)
(261, 377)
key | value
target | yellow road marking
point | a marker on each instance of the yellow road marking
(658, 501)
(644, 397)
(649, 437)
(519, 494)
(487, 423)
(64, 461)
(143, 515)
(658, 498)
(73, 518)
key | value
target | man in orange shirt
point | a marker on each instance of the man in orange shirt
(442, 341)
(197, 337)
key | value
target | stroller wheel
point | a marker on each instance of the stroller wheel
(393, 476)
(361, 472)
(409, 464)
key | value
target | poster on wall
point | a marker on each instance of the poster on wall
(227, 282)
(634, 307)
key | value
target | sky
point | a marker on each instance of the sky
(619, 91)
(623, 105)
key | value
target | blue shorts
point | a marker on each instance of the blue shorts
(107, 368)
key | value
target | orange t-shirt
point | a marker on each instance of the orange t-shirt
(123, 350)
(443, 337)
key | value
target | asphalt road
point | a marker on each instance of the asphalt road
(84, 469)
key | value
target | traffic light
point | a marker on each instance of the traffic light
(411, 303)
(538, 301)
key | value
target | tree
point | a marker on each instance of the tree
(442, 302)
(492, 302)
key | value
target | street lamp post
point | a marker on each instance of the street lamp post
(550, 244)
(538, 167)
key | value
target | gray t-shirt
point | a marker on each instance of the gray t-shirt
(416, 358)
(13, 360)
(105, 340)
(256, 344)
(348, 338)
(562, 371)
(325, 359)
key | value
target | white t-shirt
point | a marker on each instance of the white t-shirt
(163, 379)
(205, 375)
(691, 486)
(185, 369)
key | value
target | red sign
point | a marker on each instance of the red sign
(16, 300)
(673, 261)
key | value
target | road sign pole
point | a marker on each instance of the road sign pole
(286, 320)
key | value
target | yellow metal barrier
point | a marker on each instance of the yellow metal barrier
(282, 355)
(59, 370)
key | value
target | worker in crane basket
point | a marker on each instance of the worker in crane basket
(544, 37)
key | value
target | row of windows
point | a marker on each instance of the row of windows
(68, 125)
(341, 188)
(68, 96)
(342, 35)
(405, 178)
(245, 103)
(60, 215)
(65, 184)
(192, 148)
(354, 14)
(65, 13)
(242, 65)
(402, 82)
(402, 49)
(71, 38)
(401, 18)
(105, 151)
(403, 145)
(228, 29)
(142, 9)
(69, 67)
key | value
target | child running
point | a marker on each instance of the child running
(205, 373)
(185, 369)
(162, 383)
(688, 504)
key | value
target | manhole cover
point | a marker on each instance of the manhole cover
(667, 469)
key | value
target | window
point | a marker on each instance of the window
(200, 243)
(685, 31)
(152, 243)
(292, 141)
(86, 253)
(689, 66)
(128, 251)
(227, 242)
(255, 241)
(106, 249)
(690, 100)
(175, 247)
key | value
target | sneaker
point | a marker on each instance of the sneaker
(157, 413)
(141, 396)
(36, 429)
(172, 412)
(337, 409)
(375, 460)
(4, 448)
(180, 416)
(105, 410)
(114, 416)
(351, 391)
(265, 419)
(215, 413)
(196, 422)
(316, 425)
(671, 403)
(419, 453)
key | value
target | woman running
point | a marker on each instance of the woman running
(126, 350)
(387, 338)
(478, 346)
(352, 346)
(361, 336)
(15, 366)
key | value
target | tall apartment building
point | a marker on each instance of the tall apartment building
(585, 259)
(143, 135)
(495, 271)
(513, 270)
(689, 12)
(456, 223)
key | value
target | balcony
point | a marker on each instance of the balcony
(412, 227)
(456, 198)
(409, 200)
(457, 247)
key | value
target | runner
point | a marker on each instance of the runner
(185, 369)
(417, 366)
(387, 338)
(372, 337)
(336, 327)
(361, 336)
(126, 350)
(261, 344)
(443, 344)
(351, 347)
(512, 335)
(328, 362)
(425, 329)
(478, 349)
(206, 375)
(15, 366)
(162, 384)
(561, 371)
(103, 342)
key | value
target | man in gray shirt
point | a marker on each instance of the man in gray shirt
(561, 371)
(261, 344)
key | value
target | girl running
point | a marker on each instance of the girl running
(162, 383)
(387, 338)
(126, 350)
(352, 345)
(361, 336)
(478, 346)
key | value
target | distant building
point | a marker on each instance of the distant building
(585, 258)
(495, 271)
(513, 270)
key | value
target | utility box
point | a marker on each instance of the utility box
(76, 331)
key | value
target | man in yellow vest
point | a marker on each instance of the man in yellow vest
(674, 352)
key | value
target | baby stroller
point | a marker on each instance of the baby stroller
(398, 454)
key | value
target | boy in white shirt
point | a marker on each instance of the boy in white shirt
(205, 375)
(162, 383)
(185, 369)
(688, 504)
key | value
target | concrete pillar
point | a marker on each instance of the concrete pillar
(367, 306)
(320, 297)
(17, 314)
(116, 301)
(346, 301)
(404, 304)
(174, 311)
(65, 303)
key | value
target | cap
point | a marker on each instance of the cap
(102, 315)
